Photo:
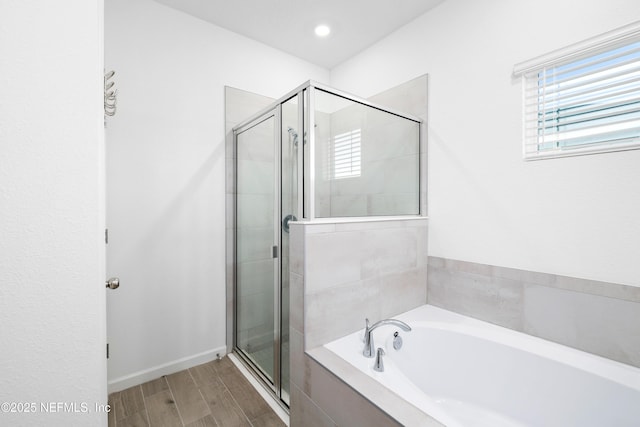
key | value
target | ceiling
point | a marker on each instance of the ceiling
(288, 25)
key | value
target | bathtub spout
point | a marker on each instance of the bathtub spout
(368, 338)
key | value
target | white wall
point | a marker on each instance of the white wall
(52, 295)
(166, 179)
(573, 216)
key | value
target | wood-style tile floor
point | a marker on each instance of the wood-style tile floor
(213, 394)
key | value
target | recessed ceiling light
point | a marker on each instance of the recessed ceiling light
(322, 30)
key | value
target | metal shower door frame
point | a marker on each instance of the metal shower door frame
(275, 385)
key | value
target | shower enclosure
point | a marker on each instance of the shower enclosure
(316, 153)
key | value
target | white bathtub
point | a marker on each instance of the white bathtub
(464, 372)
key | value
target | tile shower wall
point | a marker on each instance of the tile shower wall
(597, 317)
(411, 97)
(341, 273)
(387, 182)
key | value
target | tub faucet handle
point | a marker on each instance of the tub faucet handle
(379, 365)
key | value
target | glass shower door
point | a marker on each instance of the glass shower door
(268, 152)
(257, 273)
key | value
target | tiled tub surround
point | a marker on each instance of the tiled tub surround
(329, 299)
(357, 270)
(341, 273)
(596, 317)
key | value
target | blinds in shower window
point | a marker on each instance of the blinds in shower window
(346, 157)
(584, 103)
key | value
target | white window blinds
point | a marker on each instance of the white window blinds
(586, 101)
(346, 157)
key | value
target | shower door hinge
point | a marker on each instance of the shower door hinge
(275, 252)
(106, 236)
(107, 350)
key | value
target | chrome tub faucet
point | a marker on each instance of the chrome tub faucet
(369, 347)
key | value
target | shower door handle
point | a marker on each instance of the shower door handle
(113, 283)
(285, 222)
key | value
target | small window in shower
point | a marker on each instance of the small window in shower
(345, 155)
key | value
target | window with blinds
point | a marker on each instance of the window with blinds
(345, 155)
(584, 103)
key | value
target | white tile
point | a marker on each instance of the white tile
(393, 204)
(229, 149)
(254, 244)
(369, 225)
(241, 104)
(257, 143)
(401, 175)
(312, 228)
(402, 291)
(304, 412)
(397, 138)
(255, 210)
(335, 312)
(296, 248)
(370, 391)
(332, 259)
(255, 177)
(342, 404)
(255, 276)
(495, 300)
(351, 205)
(296, 306)
(611, 290)
(256, 311)
(230, 217)
(229, 175)
(409, 97)
(388, 250)
(604, 326)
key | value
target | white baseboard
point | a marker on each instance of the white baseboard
(136, 378)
